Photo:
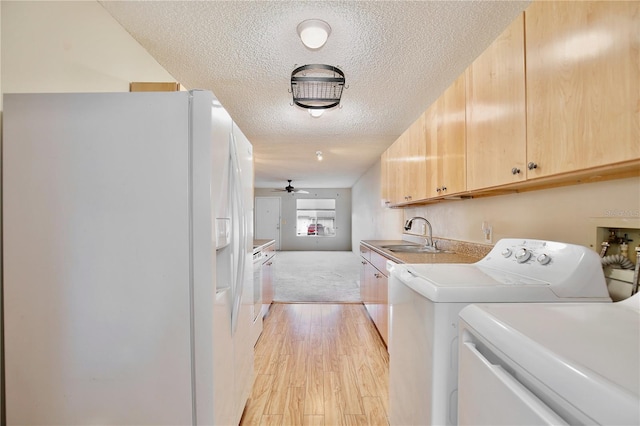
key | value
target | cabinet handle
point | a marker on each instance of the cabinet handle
(532, 166)
(515, 171)
(269, 263)
(363, 262)
(438, 189)
(444, 188)
(377, 275)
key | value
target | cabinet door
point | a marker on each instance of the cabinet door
(496, 114)
(385, 187)
(406, 166)
(431, 136)
(394, 173)
(367, 289)
(445, 123)
(365, 277)
(452, 170)
(365, 252)
(363, 280)
(415, 161)
(583, 84)
(267, 283)
(382, 305)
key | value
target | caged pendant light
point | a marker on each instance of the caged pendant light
(317, 86)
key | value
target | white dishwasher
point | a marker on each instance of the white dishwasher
(425, 300)
(549, 364)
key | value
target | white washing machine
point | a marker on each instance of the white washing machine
(550, 364)
(425, 300)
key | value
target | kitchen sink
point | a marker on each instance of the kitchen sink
(413, 248)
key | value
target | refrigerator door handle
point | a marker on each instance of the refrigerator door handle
(239, 216)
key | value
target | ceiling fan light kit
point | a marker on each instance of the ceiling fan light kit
(317, 86)
(314, 33)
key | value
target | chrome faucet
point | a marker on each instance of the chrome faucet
(409, 223)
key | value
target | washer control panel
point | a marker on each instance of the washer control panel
(571, 270)
(549, 261)
(528, 250)
(524, 254)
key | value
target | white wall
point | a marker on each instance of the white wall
(70, 46)
(73, 46)
(564, 214)
(288, 238)
(370, 220)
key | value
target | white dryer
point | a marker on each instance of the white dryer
(425, 300)
(550, 364)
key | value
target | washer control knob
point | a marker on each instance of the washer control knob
(506, 252)
(522, 255)
(544, 258)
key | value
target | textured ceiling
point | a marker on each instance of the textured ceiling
(397, 56)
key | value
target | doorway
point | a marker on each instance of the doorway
(267, 219)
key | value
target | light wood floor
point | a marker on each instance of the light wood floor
(319, 364)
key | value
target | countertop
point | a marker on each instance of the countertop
(399, 257)
(258, 245)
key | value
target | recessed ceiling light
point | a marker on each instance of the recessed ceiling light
(314, 33)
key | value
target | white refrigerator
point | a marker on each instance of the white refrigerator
(127, 232)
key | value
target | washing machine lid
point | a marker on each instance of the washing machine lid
(469, 275)
(464, 283)
(585, 354)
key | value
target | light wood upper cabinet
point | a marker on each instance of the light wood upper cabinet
(554, 100)
(405, 169)
(384, 178)
(431, 140)
(495, 112)
(446, 142)
(415, 155)
(394, 178)
(428, 159)
(583, 85)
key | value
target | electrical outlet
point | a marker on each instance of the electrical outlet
(487, 230)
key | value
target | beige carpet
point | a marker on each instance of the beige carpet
(317, 276)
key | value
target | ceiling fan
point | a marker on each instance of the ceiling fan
(291, 189)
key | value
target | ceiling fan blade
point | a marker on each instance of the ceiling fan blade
(300, 191)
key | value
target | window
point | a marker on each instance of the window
(316, 217)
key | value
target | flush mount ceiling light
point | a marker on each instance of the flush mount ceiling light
(319, 155)
(314, 33)
(317, 87)
(316, 113)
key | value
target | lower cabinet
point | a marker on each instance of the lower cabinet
(374, 288)
(268, 266)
